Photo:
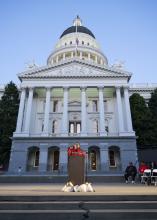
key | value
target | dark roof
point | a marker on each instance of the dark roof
(81, 29)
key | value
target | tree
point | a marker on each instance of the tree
(153, 109)
(142, 120)
(9, 105)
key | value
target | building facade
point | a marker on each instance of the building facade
(76, 98)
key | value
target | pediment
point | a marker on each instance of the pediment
(72, 70)
(74, 103)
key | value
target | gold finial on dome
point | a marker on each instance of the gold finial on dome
(77, 21)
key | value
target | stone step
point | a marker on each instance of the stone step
(70, 197)
(78, 205)
(80, 215)
(59, 179)
(71, 206)
(62, 211)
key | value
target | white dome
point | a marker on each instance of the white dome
(80, 43)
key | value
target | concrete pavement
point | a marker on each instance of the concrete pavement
(48, 189)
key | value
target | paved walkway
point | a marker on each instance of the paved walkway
(55, 189)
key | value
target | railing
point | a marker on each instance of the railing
(143, 85)
(109, 134)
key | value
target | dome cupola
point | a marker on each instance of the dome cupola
(77, 27)
(78, 42)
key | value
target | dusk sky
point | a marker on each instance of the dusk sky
(125, 29)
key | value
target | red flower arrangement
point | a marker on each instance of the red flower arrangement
(75, 150)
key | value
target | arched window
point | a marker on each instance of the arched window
(94, 158)
(33, 158)
(53, 159)
(112, 158)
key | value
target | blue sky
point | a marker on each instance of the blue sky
(125, 29)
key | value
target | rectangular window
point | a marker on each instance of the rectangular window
(78, 127)
(74, 127)
(42, 126)
(95, 105)
(71, 127)
(55, 106)
(105, 105)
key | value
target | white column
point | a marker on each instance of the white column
(63, 159)
(104, 159)
(43, 159)
(47, 112)
(119, 110)
(63, 56)
(80, 55)
(127, 109)
(96, 59)
(101, 113)
(83, 112)
(89, 56)
(28, 111)
(65, 112)
(57, 59)
(21, 111)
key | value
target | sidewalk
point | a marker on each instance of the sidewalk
(55, 189)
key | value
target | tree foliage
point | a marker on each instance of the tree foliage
(8, 115)
(153, 109)
(143, 118)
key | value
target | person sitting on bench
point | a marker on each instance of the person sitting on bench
(130, 171)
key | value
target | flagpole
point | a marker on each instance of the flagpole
(76, 41)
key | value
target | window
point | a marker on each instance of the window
(70, 42)
(42, 126)
(107, 129)
(54, 126)
(82, 42)
(55, 106)
(95, 105)
(74, 127)
(65, 44)
(112, 158)
(105, 105)
(95, 126)
(93, 160)
(56, 160)
(87, 44)
(36, 158)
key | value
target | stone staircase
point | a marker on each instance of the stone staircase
(78, 207)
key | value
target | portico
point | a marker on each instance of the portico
(124, 125)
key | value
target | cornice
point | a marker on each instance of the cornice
(105, 71)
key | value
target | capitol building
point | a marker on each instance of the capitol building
(76, 98)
